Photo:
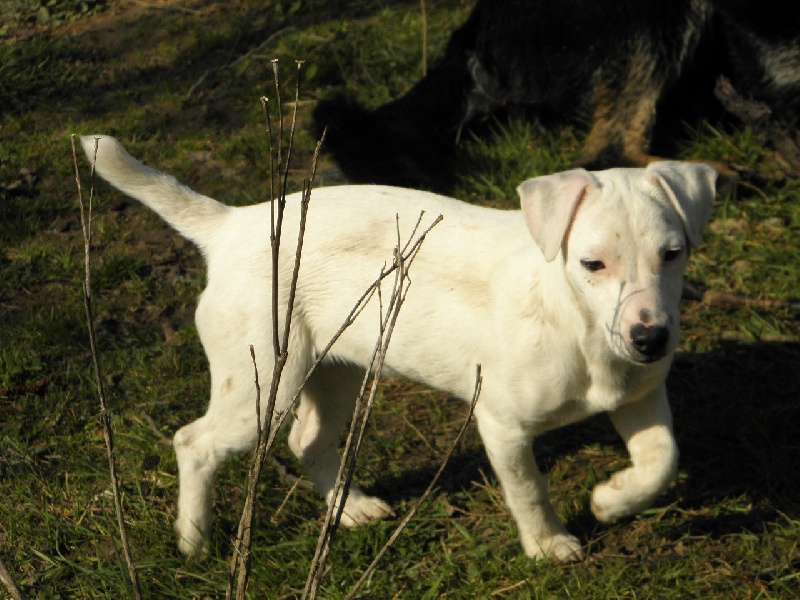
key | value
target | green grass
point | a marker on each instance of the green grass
(728, 528)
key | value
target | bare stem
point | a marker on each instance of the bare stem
(8, 581)
(280, 110)
(358, 307)
(273, 233)
(108, 433)
(269, 423)
(414, 509)
(353, 444)
(299, 64)
(362, 410)
(243, 543)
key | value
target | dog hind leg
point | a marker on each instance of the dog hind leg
(201, 447)
(326, 405)
(229, 427)
(646, 428)
(227, 324)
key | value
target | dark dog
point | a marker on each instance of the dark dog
(615, 64)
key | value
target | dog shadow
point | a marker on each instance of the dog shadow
(736, 414)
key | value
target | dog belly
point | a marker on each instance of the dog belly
(445, 364)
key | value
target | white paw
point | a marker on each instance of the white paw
(610, 502)
(561, 547)
(360, 509)
(191, 541)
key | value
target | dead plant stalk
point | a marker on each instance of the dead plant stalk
(9, 582)
(361, 414)
(362, 410)
(414, 509)
(240, 560)
(105, 415)
(267, 430)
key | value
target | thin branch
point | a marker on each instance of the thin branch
(412, 513)
(8, 581)
(267, 429)
(356, 434)
(358, 307)
(299, 64)
(361, 415)
(306, 197)
(273, 234)
(108, 433)
(280, 110)
(241, 557)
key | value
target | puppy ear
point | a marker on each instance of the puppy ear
(549, 204)
(690, 187)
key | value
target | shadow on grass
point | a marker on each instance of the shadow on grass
(128, 57)
(737, 414)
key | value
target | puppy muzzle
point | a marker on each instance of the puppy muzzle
(649, 343)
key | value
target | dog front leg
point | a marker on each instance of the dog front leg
(646, 428)
(510, 450)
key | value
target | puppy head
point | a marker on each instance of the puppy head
(623, 237)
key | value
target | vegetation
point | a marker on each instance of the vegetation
(180, 83)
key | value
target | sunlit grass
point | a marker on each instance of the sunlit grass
(726, 529)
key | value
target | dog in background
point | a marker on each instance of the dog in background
(617, 64)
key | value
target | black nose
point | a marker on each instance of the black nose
(650, 341)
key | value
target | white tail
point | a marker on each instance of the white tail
(193, 215)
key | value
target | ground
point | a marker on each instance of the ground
(180, 83)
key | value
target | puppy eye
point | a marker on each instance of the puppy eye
(593, 265)
(672, 254)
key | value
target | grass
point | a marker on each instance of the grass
(729, 526)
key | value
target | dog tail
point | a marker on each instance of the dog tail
(193, 215)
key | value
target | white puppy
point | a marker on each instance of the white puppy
(570, 305)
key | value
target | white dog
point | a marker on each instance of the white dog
(570, 305)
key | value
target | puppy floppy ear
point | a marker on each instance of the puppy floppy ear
(690, 188)
(549, 204)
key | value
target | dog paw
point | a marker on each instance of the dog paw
(610, 502)
(191, 541)
(360, 509)
(563, 548)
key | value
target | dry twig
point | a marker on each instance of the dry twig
(267, 430)
(105, 415)
(412, 513)
(355, 437)
(8, 581)
(241, 558)
(404, 256)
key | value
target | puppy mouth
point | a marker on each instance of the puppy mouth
(638, 358)
(628, 351)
